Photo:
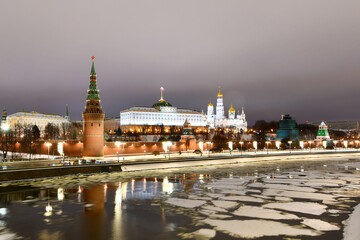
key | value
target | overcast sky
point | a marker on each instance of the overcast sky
(272, 57)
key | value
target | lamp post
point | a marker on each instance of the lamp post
(209, 146)
(123, 150)
(357, 144)
(241, 144)
(48, 146)
(335, 142)
(346, 144)
(278, 143)
(255, 145)
(324, 143)
(267, 147)
(290, 142)
(118, 146)
(169, 144)
(310, 142)
(230, 144)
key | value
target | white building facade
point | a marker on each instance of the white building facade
(219, 120)
(35, 118)
(161, 113)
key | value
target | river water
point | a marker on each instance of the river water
(273, 200)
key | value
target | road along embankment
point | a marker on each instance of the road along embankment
(184, 163)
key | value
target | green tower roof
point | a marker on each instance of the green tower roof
(93, 91)
(93, 66)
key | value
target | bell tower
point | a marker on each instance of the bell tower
(93, 121)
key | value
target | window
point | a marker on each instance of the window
(91, 124)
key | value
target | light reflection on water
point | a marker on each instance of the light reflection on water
(113, 210)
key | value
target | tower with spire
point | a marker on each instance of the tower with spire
(210, 116)
(220, 105)
(3, 117)
(93, 120)
(67, 116)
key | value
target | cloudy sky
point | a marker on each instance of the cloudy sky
(273, 56)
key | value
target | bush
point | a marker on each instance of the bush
(156, 153)
(198, 151)
(216, 150)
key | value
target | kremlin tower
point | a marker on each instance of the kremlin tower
(93, 121)
(220, 106)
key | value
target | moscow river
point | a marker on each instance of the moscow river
(298, 199)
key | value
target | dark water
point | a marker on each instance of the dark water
(118, 206)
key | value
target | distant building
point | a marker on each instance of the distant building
(39, 119)
(323, 132)
(219, 120)
(162, 113)
(287, 128)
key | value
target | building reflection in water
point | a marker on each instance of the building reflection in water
(94, 214)
(60, 194)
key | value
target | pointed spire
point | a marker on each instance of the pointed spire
(67, 110)
(282, 116)
(93, 66)
(220, 94)
(161, 98)
(242, 110)
(210, 104)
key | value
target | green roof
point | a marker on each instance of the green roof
(162, 104)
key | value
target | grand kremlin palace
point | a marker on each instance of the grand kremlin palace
(161, 113)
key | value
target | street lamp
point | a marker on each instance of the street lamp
(267, 147)
(117, 143)
(290, 142)
(230, 144)
(345, 144)
(278, 143)
(324, 143)
(209, 146)
(255, 145)
(241, 144)
(310, 142)
(335, 142)
(48, 145)
(169, 144)
(301, 143)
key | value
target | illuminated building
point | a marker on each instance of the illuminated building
(162, 113)
(323, 132)
(219, 120)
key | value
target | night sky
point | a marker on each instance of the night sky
(272, 57)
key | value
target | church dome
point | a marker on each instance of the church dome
(162, 103)
(210, 104)
(220, 94)
(232, 109)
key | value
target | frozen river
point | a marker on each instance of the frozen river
(272, 200)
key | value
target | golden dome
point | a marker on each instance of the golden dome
(232, 109)
(210, 104)
(220, 93)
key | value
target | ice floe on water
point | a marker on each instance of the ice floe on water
(243, 199)
(224, 204)
(300, 207)
(295, 194)
(185, 203)
(257, 228)
(352, 229)
(204, 233)
(319, 225)
(259, 212)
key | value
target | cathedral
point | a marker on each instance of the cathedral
(219, 120)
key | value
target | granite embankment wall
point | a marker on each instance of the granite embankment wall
(45, 172)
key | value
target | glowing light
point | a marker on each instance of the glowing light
(277, 144)
(301, 144)
(255, 144)
(60, 194)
